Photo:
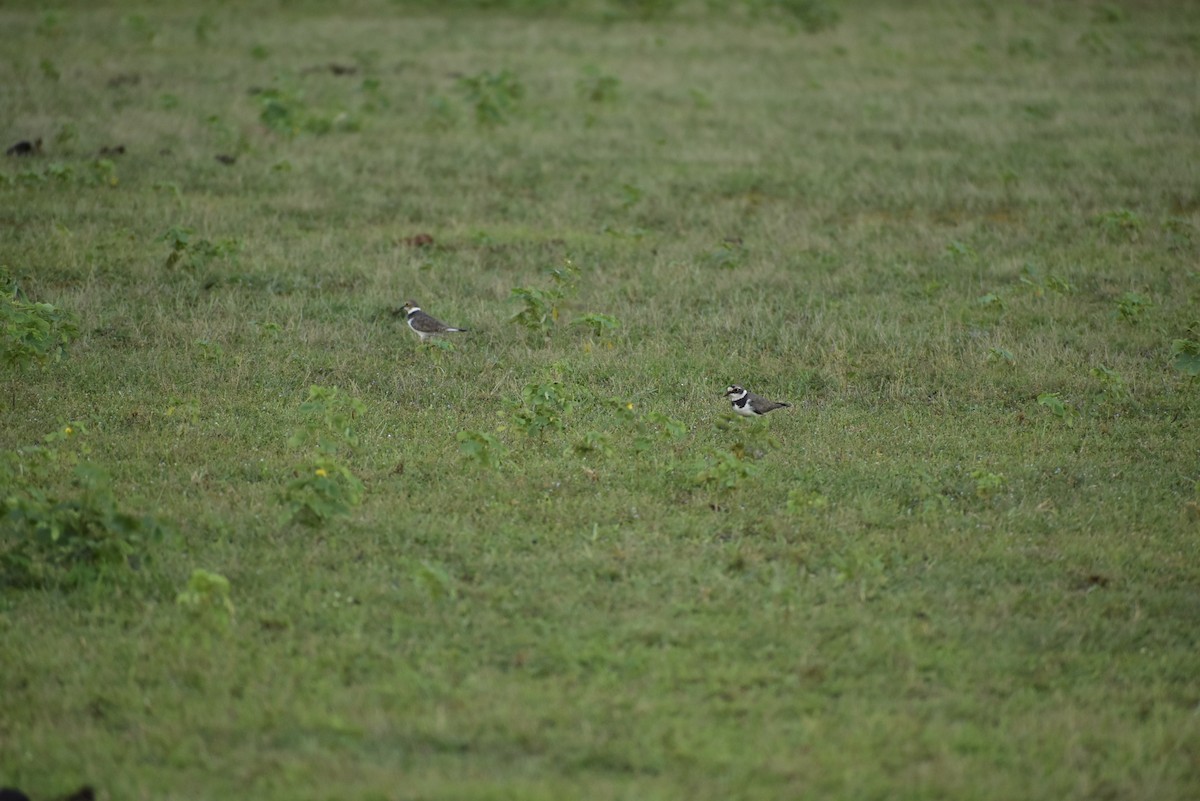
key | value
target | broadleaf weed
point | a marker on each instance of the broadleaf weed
(32, 334)
(1132, 305)
(542, 408)
(493, 96)
(207, 599)
(66, 537)
(1061, 409)
(481, 448)
(322, 486)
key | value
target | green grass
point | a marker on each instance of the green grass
(911, 226)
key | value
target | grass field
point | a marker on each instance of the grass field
(542, 560)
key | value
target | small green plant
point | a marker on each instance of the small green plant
(1131, 306)
(592, 443)
(726, 256)
(186, 412)
(320, 490)
(1120, 225)
(725, 471)
(322, 486)
(1032, 278)
(542, 408)
(649, 430)
(32, 333)
(961, 252)
(1061, 409)
(858, 567)
(1180, 233)
(752, 439)
(803, 500)
(50, 25)
(481, 448)
(286, 113)
(598, 325)
(68, 536)
(328, 420)
(209, 351)
(206, 598)
(280, 111)
(596, 87)
(493, 96)
(987, 483)
(192, 254)
(435, 580)
(1112, 385)
(646, 9)
(1185, 357)
(141, 28)
(539, 310)
(631, 195)
(667, 428)
(541, 307)
(1001, 356)
(814, 16)
(990, 301)
(204, 28)
(104, 171)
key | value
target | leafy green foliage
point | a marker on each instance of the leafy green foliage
(51, 535)
(191, 254)
(990, 301)
(1185, 357)
(1060, 408)
(320, 490)
(725, 471)
(598, 325)
(207, 598)
(650, 430)
(597, 87)
(1031, 277)
(493, 96)
(1001, 356)
(322, 486)
(1112, 385)
(542, 408)
(803, 500)
(1120, 225)
(328, 416)
(287, 113)
(814, 16)
(646, 9)
(961, 251)
(728, 255)
(540, 308)
(729, 468)
(592, 443)
(481, 448)
(435, 581)
(987, 483)
(1132, 305)
(32, 333)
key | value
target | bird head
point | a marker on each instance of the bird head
(733, 389)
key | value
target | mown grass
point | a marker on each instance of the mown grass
(911, 226)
